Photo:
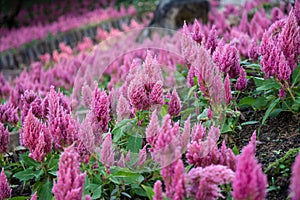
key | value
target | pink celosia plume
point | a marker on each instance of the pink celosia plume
(5, 190)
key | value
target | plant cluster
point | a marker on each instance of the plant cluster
(155, 112)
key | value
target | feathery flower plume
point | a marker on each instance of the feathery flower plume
(4, 138)
(123, 108)
(137, 95)
(152, 129)
(8, 113)
(36, 137)
(244, 24)
(211, 41)
(284, 71)
(227, 59)
(253, 50)
(142, 156)
(5, 190)
(34, 197)
(202, 183)
(241, 82)
(295, 179)
(197, 35)
(87, 95)
(289, 39)
(174, 104)
(227, 90)
(70, 180)
(250, 182)
(101, 110)
(186, 134)
(107, 152)
(157, 96)
(178, 181)
(158, 193)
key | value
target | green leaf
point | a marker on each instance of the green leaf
(235, 150)
(29, 161)
(97, 192)
(19, 198)
(149, 191)
(260, 103)
(249, 123)
(134, 144)
(164, 110)
(246, 102)
(129, 177)
(126, 195)
(46, 191)
(276, 112)
(296, 76)
(270, 109)
(25, 175)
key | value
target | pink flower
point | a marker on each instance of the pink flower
(253, 50)
(227, 59)
(227, 90)
(123, 108)
(34, 197)
(157, 95)
(174, 104)
(289, 39)
(244, 24)
(107, 152)
(202, 183)
(158, 194)
(137, 95)
(87, 95)
(250, 182)
(4, 138)
(101, 109)
(284, 71)
(211, 41)
(36, 137)
(241, 82)
(295, 179)
(70, 181)
(186, 134)
(8, 113)
(197, 35)
(142, 156)
(152, 129)
(5, 190)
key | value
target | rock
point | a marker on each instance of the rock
(172, 13)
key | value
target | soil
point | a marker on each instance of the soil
(275, 139)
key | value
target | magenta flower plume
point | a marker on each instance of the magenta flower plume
(174, 104)
(197, 35)
(152, 129)
(5, 190)
(157, 95)
(227, 90)
(158, 193)
(87, 95)
(142, 156)
(30, 100)
(227, 59)
(137, 95)
(250, 182)
(211, 41)
(295, 179)
(8, 113)
(101, 109)
(178, 181)
(107, 152)
(186, 134)
(34, 196)
(284, 71)
(253, 52)
(289, 39)
(244, 24)
(241, 82)
(123, 108)
(4, 138)
(36, 137)
(202, 183)
(70, 180)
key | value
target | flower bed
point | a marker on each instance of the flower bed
(166, 118)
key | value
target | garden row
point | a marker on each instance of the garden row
(159, 114)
